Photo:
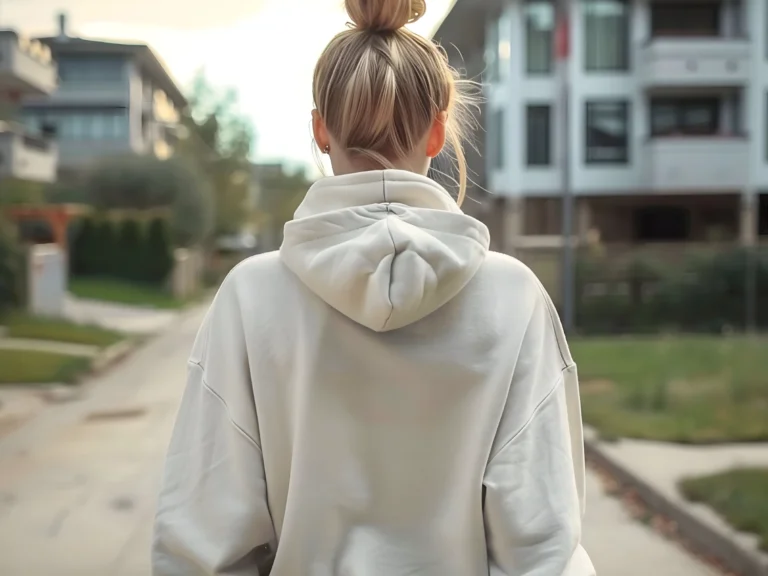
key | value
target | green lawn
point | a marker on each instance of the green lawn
(681, 389)
(739, 496)
(33, 367)
(38, 328)
(123, 292)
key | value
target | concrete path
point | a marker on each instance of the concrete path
(130, 319)
(663, 466)
(78, 487)
(49, 346)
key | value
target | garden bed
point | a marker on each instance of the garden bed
(36, 367)
(739, 496)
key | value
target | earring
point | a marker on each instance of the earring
(327, 149)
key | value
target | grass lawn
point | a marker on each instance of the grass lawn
(110, 290)
(38, 328)
(680, 389)
(739, 496)
(33, 367)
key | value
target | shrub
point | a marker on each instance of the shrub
(158, 260)
(11, 269)
(130, 254)
(81, 260)
(704, 294)
(102, 250)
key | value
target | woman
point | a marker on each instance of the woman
(384, 396)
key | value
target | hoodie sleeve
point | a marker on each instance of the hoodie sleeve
(534, 480)
(213, 517)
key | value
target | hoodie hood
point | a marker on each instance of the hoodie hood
(385, 248)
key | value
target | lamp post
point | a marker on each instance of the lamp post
(562, 55)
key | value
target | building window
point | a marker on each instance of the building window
(685, 19)
(685, 116)
(87, 69)
(606, 32)
(496, 140)
(607, 132)
(539, 25)
(538, 135)
(492, 65)
(81, 125)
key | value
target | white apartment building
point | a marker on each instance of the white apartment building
(26, 69)
(112, 99)
(668, 117)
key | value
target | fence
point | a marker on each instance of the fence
(677, 288)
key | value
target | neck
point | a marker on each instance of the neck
(342, 164)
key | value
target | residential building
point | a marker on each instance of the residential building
(668, 118)
(112, 99)
(26, 69)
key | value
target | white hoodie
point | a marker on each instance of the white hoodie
(384, 397)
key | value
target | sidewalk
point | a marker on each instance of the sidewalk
(119, 317)
(656, 468)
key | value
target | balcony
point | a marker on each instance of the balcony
(696, 163)
(26, 68)
(26, 157)
(691, 62)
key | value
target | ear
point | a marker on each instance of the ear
(436, 140)
(319, 131)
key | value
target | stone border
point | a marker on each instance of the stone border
(703, 538)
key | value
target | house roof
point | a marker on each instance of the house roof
(150, 62)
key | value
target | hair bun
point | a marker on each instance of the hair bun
(384, 15)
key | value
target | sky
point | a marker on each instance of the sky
(265, 49)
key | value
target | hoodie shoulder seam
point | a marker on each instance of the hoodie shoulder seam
(223, 402)
(558, 382)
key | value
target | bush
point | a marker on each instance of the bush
(703, 294)
(159, 260)
(147, 183)
(11, 268)
(81, 249)
(131, 251)
(102, 251)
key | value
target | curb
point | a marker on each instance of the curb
(112, 355)
(704, 539)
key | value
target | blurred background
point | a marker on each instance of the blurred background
(622, 153)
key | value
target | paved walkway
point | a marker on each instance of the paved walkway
(663, 466)
(130, 319)
(78, 486)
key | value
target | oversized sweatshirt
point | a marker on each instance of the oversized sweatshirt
(381, 397)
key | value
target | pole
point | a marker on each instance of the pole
(749, 240)
(562, 52)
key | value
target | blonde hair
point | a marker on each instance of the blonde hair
(379, 87)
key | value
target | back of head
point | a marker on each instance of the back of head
(379, 87)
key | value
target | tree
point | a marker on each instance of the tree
(280, 194)
(220, 141)
(145, 182)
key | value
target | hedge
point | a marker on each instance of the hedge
(703, 293)
(128, 249)
(11, 267)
